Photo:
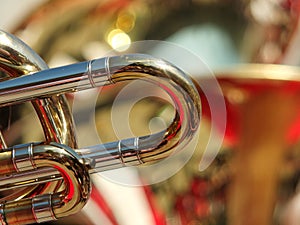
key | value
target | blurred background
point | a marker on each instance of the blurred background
(251, 47)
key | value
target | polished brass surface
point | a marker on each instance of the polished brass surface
(61, 204)
(68, 27)
(33, 171)
(17, 59)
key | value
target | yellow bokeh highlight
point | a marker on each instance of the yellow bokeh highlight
(125, 21)
(118, 40)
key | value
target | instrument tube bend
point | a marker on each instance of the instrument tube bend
(47, 207)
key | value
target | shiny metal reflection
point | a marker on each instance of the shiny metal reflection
(26, 164)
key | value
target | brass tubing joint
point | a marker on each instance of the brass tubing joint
(47, 207)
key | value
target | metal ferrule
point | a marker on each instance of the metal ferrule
(22, 157)
(42, 208)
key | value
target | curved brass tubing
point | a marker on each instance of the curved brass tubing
(20, 163)
(109, 71)
(18, 59)
(41, 208)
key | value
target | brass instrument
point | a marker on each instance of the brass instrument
(53, 177)
(255, 178)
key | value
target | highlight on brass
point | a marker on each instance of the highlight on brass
(242, 57)
(51, 179)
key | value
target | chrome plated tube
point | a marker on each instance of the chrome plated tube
(132, 151)
(90, 74)
(111, 70)
(54, 161)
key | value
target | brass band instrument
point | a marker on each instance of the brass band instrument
(253, 181)
(52, 177)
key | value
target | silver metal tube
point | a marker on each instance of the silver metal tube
(19, 163)
(132, 151)
(111, 70)
(85, 75)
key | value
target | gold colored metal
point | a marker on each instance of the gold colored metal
(29, 167)
(276, 27)
(17, 59)
(58, 205)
